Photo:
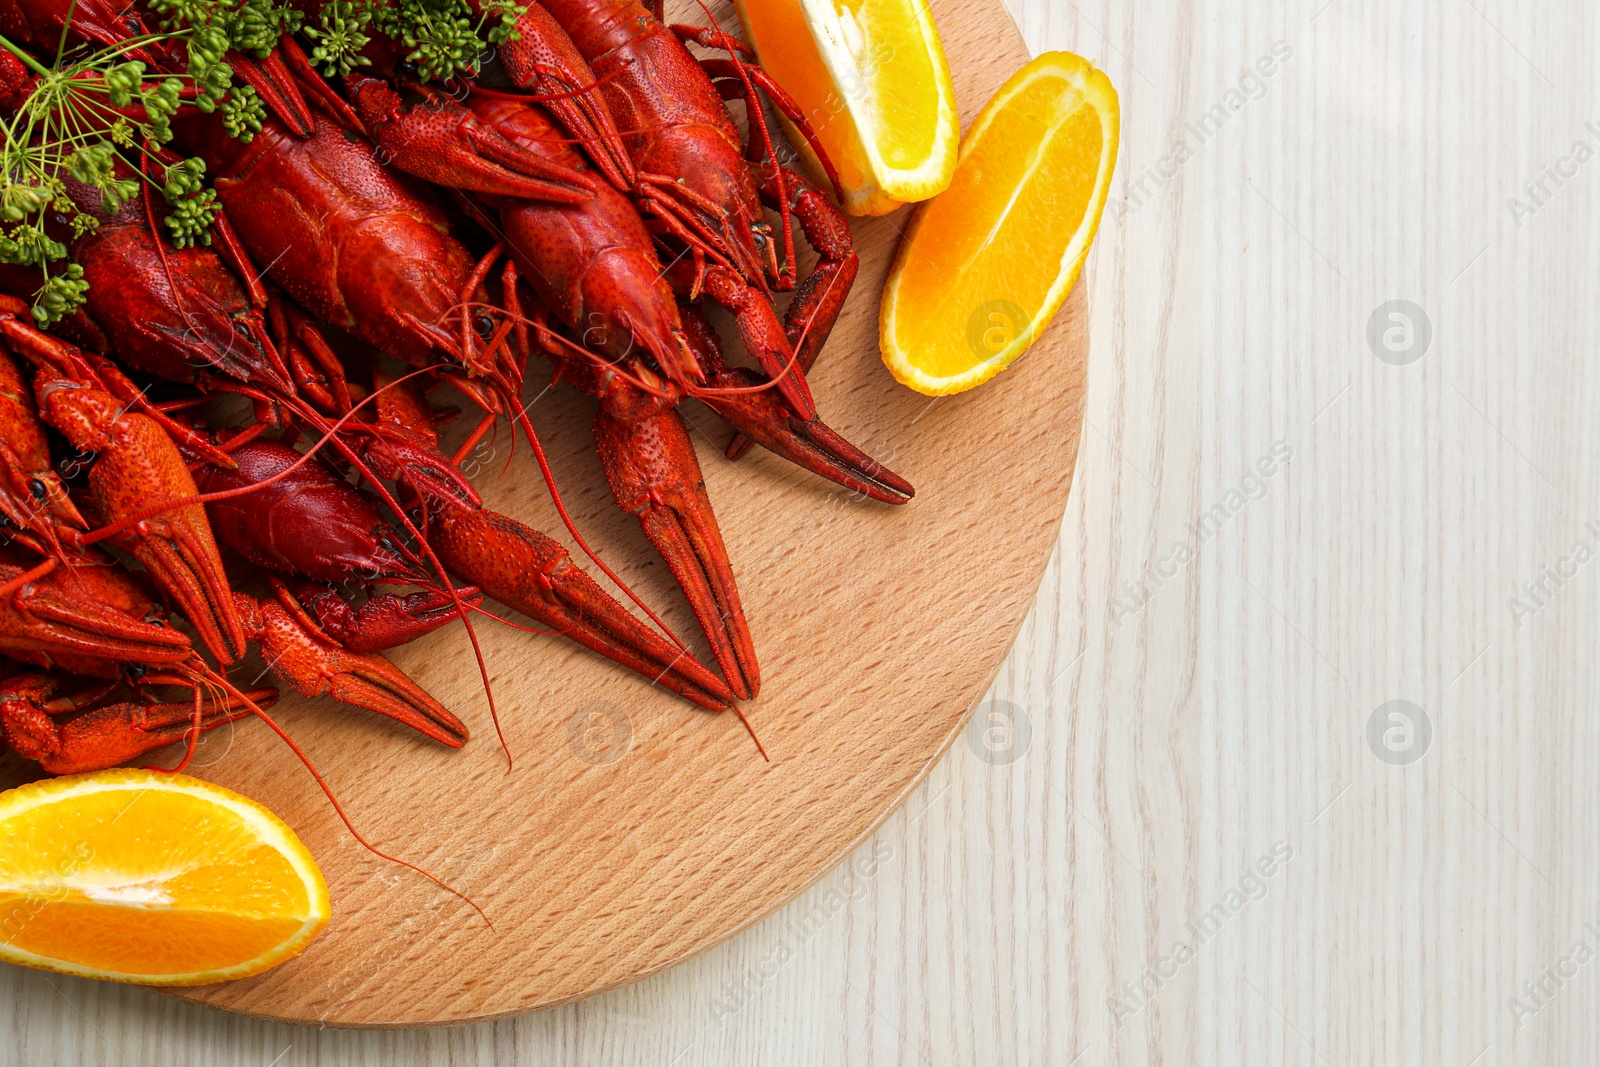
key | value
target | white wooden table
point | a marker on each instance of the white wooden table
(1278, 528)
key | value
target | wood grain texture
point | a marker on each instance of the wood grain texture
(1227, 310)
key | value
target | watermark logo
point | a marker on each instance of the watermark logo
(212, 745)
(57, 886)
(1399, 332)
(1541, 989)
(1143, 186)
(1539, 190)
(1540, 590)
(994, 326)
(1251, 486)
(478, 460)
(1000, 732)
(801, 923)
(1399, 732)
(1252, 885)
(599, 734)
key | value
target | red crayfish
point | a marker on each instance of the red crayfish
(379, 238)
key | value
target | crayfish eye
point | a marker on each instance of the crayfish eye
(36, 487)
(484, 324)
(391, 551)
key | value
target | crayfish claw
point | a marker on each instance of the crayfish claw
(314, 664)
(767, 419)
(111, 734)
(373, 683)
(525, 570)
(137, 466)
(654, 475)
(440, 141)
(176, 546)
(386, 620)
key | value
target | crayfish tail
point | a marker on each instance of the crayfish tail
(525, 570)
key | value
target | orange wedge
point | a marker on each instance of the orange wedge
(871, 79)
(985, 265)
(139, 876)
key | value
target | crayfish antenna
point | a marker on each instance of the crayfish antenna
(751, 730)
(327, 791)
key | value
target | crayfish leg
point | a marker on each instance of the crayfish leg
(763, 335)
(314, 664)
(142, 467)
(820, 298)
(386, 620)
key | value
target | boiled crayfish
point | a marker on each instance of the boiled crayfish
(232, 198)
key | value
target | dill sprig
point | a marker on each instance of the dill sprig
(101, 118)
(443, 38)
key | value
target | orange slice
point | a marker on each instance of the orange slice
(871, 79)
(985, 266)
(138, 876)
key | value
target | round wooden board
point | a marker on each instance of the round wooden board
(635, 829)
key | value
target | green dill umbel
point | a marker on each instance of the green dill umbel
(443, 38)
(103, 117)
